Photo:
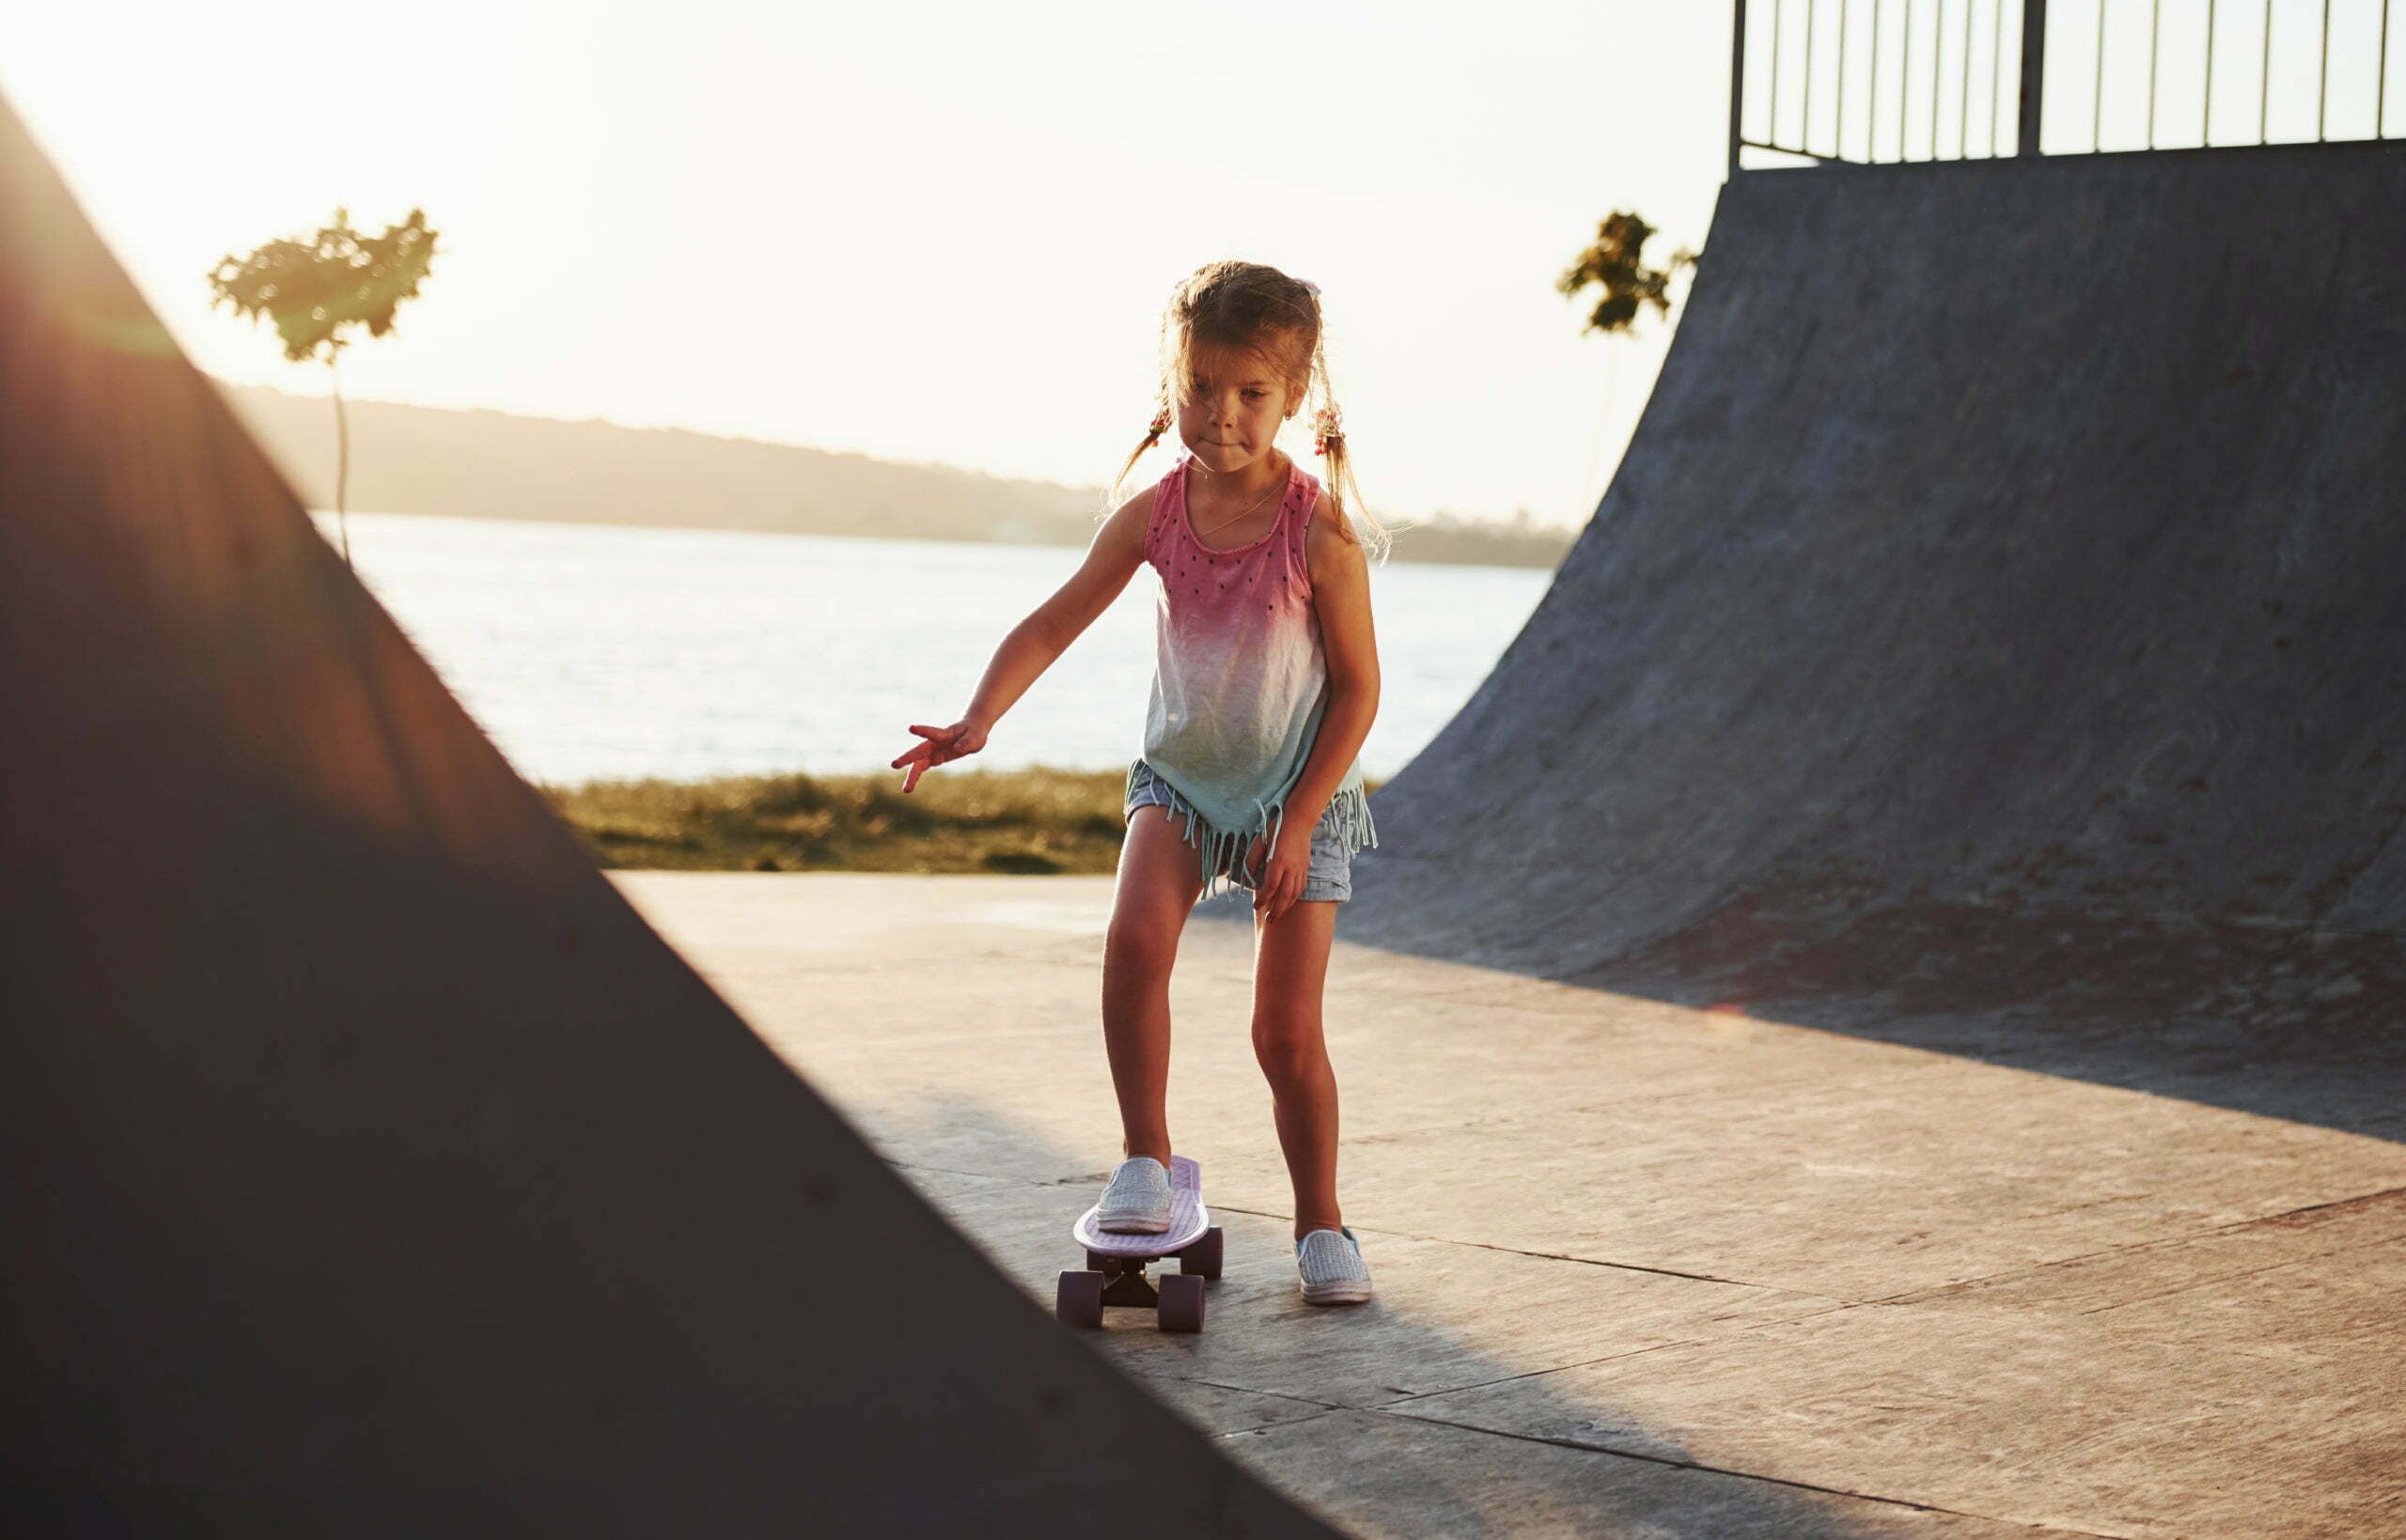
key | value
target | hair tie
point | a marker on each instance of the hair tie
(1325, 430)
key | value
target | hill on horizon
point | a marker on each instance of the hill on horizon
(481, 464)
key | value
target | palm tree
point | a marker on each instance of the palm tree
(1613, 263)
(312, 289)
(1616, 264)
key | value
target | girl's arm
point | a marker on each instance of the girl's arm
(1117, 551)
(1341, 598)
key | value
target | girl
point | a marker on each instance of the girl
(1266, 683)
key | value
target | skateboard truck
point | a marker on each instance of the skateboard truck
(1124, 1281)
(1119, 1279)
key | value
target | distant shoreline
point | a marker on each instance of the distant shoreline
(822, 534)
(482, 464)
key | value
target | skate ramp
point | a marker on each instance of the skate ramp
(1997, 619)
(372, 1168)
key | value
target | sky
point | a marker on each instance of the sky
(945, 232)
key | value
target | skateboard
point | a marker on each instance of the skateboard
(1115, 1262)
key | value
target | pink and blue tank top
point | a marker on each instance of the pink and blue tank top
(1242, 678)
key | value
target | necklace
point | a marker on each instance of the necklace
(1247, 514)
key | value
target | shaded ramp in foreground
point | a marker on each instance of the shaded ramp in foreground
(1998, 617)
(372, 1168)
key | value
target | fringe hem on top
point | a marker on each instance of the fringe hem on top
(1222, 848)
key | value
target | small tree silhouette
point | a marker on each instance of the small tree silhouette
(1615, 262)
(315, 288)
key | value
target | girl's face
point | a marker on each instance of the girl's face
(1228, 413)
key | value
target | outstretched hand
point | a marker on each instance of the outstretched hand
(942, 746)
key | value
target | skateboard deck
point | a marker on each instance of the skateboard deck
(1115, 1261)
(1188, 1219)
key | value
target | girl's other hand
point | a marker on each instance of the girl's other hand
(942, 746)
(1281, 866)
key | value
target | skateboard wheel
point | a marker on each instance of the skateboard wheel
(1202, 1258)
(1078, 1300)
(1182, 1306)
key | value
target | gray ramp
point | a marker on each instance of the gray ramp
(2003, 598)
(371, 1169)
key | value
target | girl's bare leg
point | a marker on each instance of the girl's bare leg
(1159, 878)
(1290, 966)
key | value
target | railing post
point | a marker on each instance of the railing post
(1736, 81)
(2033, 73)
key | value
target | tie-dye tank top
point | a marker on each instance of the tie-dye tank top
(1242, 678)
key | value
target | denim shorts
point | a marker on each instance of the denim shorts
(1328, 876)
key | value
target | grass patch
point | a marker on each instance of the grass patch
(1035, 821)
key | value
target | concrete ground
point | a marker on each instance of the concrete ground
(1641, 1270)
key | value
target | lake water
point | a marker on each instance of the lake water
(592, 651)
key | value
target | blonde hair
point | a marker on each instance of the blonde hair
(1235, 308)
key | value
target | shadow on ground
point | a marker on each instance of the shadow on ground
(1340, 1407)
(2283, 1022)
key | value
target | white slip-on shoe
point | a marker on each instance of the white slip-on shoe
(1331, 1268)
(1137, 1202)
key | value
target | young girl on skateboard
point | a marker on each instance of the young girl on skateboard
(1266, 683)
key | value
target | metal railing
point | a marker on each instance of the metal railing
(1871, 80)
